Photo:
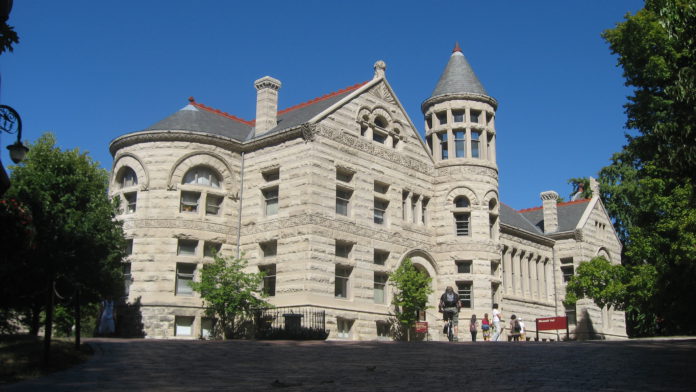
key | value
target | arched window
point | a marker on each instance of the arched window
(201, 175)
(128, 178)
(461, 202)
(462, 216)
(492, 217)
(381, 122)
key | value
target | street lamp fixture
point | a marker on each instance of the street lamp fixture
(10, 122)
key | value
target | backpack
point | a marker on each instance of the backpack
(452, 303)
(517, 326)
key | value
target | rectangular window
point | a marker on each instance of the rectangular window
(458, 115)
(570, 312)
(380, 212)
(475, 114)
(380, 283)
(187, 247)
(270, 196)
(462, 224)
(460, 144)
(271, 175)
(430, 143)
(127, 278)
(442, 118)
(494, 267)
(404, 204)
(210, 249)
(475, 153)
(212, 204)
(414, 208)
(189, 201)
(424, 210)
(566, 260)
(342, 280)
(378, 136)
(131, 201)
(129, 247)
(465, 294)
(269, 248)
(380, 257)
(444, 151)
(382, 330)
(206, 328)
(463, 266)
(183, 325)
(381, 187)
(429, 121)
(343, 327)
(343, 248)
(184, 277)
(269, 279)
(567, 271)
(492, 219)
(494, 292)
(343, 200)
(344, 175)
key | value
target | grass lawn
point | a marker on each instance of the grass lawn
(20, 357)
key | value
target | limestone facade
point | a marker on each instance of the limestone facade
(330, 196)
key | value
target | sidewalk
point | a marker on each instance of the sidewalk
(167, 365)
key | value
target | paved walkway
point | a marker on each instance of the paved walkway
(136, 365)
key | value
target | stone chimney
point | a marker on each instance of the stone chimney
(266, 104)
(550, 201)
(594, 187)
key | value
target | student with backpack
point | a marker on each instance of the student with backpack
(449, 307)
(473, 327)
(486, 328)
(515, 328)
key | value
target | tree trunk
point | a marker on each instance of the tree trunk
(49, 325)
(408, 334)
(77, 319)
(35, 322)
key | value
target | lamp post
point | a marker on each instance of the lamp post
(11, 122)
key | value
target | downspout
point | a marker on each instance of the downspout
(239, 213)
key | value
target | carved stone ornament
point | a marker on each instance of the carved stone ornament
(381, 92)
(309, 132)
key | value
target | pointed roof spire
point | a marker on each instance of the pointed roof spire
(458, 77)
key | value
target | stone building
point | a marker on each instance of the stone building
(331, 195)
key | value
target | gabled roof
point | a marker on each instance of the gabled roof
(511, 217)
(198, 117)
(458, 77)
(569, 215)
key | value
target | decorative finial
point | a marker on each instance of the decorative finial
(191, 100)
(380, 67)
(457, 48)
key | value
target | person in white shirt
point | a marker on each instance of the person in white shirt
(523, 330)
(497, 316)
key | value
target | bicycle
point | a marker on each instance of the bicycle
(449, 327)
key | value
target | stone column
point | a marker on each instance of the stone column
(535, 277)
(524, 275)
(549, 280)
(407, 213)
(507, 269)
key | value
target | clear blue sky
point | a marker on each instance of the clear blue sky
(90, 71)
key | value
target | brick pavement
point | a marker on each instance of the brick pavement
(168, 365)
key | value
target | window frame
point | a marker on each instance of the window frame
(466, 299)
(464, 266)
(343, 200)
(380, 285)
(182, 287)
(188, 206)
(342, 275)
(271, 203)
(269, 279)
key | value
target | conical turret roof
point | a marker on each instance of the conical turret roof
(458, 77)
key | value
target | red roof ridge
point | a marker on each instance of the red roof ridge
(322, 98)
(193, 102)
(567, 203)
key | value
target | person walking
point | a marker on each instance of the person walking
(497, 317)
(473, 327)
(523, 330)
(514, 328)
(107, 325)
(486, 328)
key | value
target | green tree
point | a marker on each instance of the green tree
(78, 242)
(230, 294)
(630, 289)
(412, 288)
(8, 36)
(581, 188)
(649, 187)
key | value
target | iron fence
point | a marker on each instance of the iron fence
(291, 322)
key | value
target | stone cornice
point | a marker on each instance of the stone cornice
(177, 224)
(173, 136)
(467, 97)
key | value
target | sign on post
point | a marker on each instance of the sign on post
(421, 326)
(552, 323)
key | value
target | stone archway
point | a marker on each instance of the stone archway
(425, 263)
